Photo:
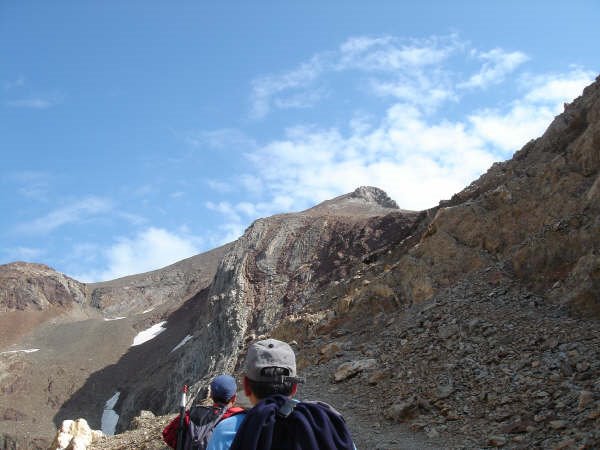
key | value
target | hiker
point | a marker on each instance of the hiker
(201, 420)
(277, 421)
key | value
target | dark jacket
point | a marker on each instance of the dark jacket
(309, 425)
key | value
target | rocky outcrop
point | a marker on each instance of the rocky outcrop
(26, 286)
(539, 213)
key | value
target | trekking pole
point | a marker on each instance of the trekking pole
(181, 429)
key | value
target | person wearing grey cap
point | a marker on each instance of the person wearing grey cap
(277, 421)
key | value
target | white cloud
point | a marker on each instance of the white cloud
(265, 88)
(411, 151)
(526, 118)
(153, 248)
(417, 90)
(32, 184)
(387, 55)
(36, 102)
(417, 162)
(219, 186)
(510, 130)
(497, 63)
(417, 158)
(75, 212)
(557, 88)
(225, 208)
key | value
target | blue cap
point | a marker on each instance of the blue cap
(223, 387)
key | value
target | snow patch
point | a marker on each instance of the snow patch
(109, 416)
(108, 319)
(29, 350)
(150, 333)
(147, 311)
(182, 343)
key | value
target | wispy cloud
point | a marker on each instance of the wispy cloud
(75, 212)
(391, 54)
(23, 253)
(13, 84)
(31, 184)
(266, 88)
(509, 128)
(497, 63)
(556, 87)
(224, 138)
(35, 101)
(400, 59)
(150, 249)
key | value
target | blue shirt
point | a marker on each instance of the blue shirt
(224, 432)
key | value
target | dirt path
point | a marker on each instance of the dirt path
(369, 428)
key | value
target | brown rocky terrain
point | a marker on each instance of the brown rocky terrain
(69, 325)
(475, 324)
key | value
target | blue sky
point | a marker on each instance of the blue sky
(137, 133)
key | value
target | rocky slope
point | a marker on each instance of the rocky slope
(55, 332)
(474, 324)
(478, 319)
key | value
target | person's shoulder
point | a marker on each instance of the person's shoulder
(322, 405)
(224, 433)
(231, 422)
(232, 411)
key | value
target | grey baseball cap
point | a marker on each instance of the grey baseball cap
(269, 353)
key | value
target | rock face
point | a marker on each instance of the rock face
(25, 286)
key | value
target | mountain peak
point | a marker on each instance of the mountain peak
(374, 195)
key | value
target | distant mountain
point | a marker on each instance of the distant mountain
(476, 322)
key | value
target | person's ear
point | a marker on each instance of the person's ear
(232, 399)
(247, 389)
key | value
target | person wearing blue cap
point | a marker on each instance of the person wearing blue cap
(200, 420)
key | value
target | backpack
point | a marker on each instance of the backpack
(203, 420)
(278, 422)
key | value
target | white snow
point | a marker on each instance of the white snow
(147, 311)
(108, 319)
(29, 350)
(150, 333)
(182, 343)
(109, 420)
